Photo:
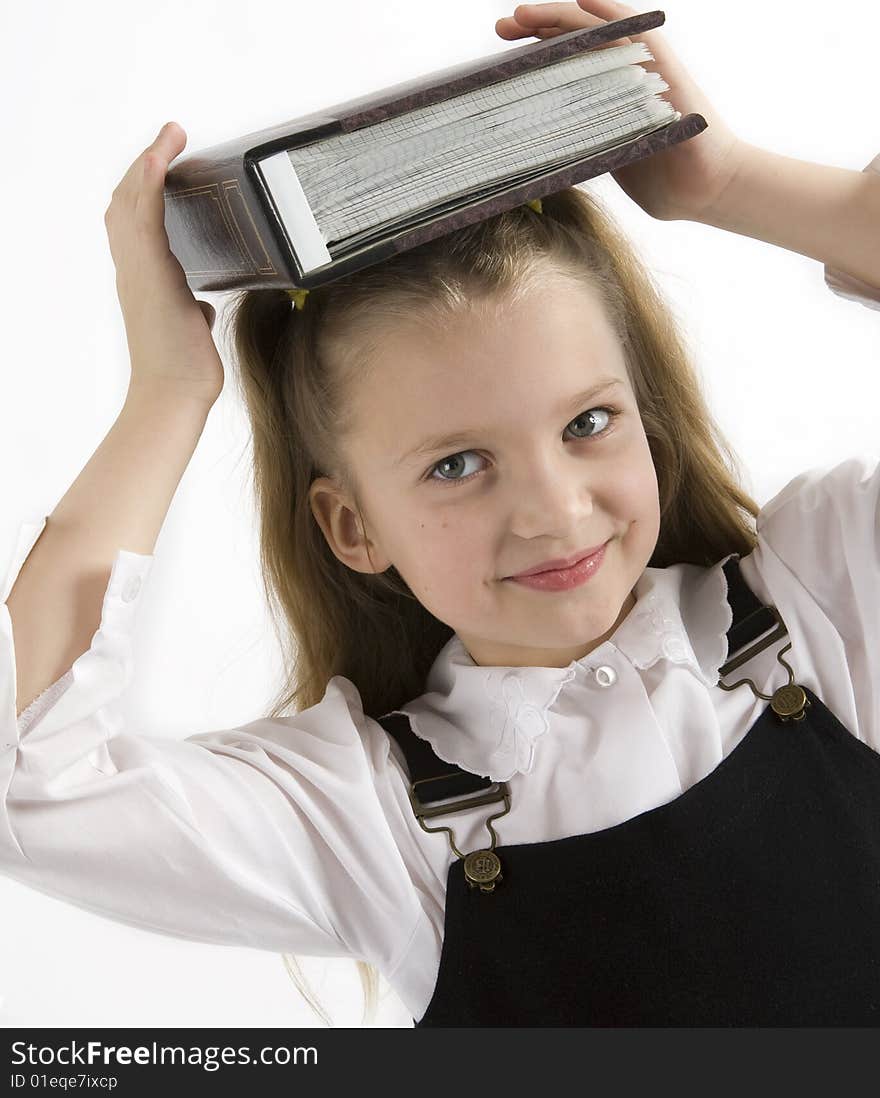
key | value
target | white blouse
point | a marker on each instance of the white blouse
(296, 834)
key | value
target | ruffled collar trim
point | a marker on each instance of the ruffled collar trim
(488, 720)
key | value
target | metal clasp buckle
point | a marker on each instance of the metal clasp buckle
(759, 645)
(486, 797)
(482, 868)
(789, 702)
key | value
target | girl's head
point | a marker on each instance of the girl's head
(491, 429)
(425, 428)
(374, 548)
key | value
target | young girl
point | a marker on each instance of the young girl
(514, 574)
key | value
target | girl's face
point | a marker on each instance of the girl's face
(527, 467)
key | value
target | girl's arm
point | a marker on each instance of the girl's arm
(121, 497)
(830, 214)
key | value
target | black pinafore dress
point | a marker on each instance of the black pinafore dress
(753, 899)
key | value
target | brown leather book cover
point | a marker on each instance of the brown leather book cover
(225, 230)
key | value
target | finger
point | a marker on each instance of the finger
(154, 161)
(172, 136)
(607, 9)
(563, 17)
(569, 16)
(168, 142)
(549, 20)
(509, 28)
(665, 62)
(591, 13)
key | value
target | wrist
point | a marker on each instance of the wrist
(149, 397)
(826, 213)
(723, 211)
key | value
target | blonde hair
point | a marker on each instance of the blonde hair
(296, 368)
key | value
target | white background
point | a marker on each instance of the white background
(791, 370)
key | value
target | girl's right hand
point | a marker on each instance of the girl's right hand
(684, 181)
(169, 332)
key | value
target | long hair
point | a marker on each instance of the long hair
(295, 369)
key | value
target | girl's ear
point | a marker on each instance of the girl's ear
(336, 513)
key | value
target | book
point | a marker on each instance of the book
(326, 194)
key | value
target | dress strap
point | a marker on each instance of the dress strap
(752, 620)
(422, 763)
(433, 780)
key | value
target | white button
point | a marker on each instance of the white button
(130, 591)
(606, 676)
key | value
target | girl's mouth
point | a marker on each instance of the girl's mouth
(563, 579)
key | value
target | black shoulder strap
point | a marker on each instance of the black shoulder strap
(751, 619)
(422, 763)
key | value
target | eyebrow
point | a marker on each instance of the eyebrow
(438, 443)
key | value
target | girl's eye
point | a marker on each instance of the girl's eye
(598, 424)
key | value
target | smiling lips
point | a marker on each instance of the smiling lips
(559, 564)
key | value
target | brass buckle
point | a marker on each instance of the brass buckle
(482, 868)
(758, 645)
(486, 797)
(788, 702)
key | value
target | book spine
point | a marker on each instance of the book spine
(222, 227)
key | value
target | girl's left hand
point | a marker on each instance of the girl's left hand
(680, 182)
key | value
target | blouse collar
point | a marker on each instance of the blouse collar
(488, 719)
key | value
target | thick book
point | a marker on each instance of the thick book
(330, 193)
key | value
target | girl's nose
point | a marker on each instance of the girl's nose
(550, 502)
